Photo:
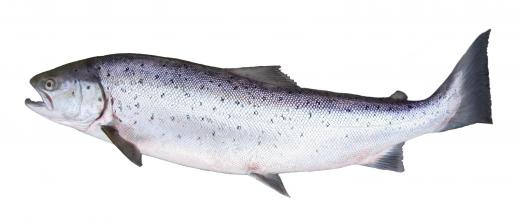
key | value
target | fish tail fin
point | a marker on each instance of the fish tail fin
(466, 90)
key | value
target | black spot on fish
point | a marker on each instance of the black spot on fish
(301, 134)
(235, 87)
(214, 108)
(137, 105)
(390, 109)
(349, 110)
(378, 107)
(126, 69)
(409, 106)
(142, 65)
(108, 74)
(318, 102)
(179, 136)
(156, 76)
(135, 122)
(238, 127)
(172, 118)
(366, 107)
(200, 103)
(237, 102)
(222, 99)
(162, 95)
(88, 87)
(188, 117)
(213, 133)
(152, 117)
(259, 142)
(140, 81)
(280, 98)
(255, 112)
(187, 94)
(72, 93)
(310, 115)
(198, 138)
(219, 85)
(389, 122)
(357, 119)
(272, 121)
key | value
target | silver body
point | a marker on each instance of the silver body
(210, 119)
(252, 120)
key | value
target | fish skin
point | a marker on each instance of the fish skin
(212, 119)
(253, 128)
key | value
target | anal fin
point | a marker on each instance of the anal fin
(392, 159)
(272, 180)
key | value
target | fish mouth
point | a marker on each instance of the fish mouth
(45, 103)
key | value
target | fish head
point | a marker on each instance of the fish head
(71, 95)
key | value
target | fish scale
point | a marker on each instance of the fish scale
(291, 127)
(254, 120)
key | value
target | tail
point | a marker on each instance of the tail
(468, 84)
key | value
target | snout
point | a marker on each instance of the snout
(39, 106)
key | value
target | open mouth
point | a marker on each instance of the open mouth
(46, 101)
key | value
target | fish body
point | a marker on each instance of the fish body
(255, 120)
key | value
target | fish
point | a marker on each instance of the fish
(253, 121)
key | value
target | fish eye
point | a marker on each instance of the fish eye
(49, 84)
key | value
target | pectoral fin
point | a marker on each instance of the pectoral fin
(128, 149)
(272, 180)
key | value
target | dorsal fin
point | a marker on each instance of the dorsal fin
(267, 74)
(399, 95)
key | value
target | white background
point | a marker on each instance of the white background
(51, 172)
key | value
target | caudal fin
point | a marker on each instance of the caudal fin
(468, 87)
